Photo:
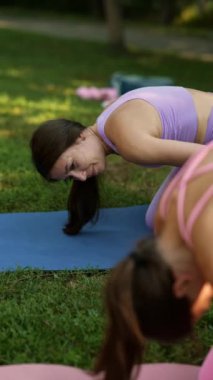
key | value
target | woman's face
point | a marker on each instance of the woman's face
(189, 281)
(84, 159)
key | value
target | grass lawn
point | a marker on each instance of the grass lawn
(57, 317)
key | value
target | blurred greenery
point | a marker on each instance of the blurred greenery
(191, 16)
(188, 12)
(57, 316)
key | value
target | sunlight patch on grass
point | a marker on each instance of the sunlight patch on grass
(49, 109)
(12, 105)
(35, 111)
(13, 72)
(52, 88)
(50, 105)
(5, 133)
(17, 111)
(4, 99)
(78, 82)
(39, 118)
(68, 91)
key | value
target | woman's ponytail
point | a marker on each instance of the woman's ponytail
(140, 303)
(83, 204)
(123, 343)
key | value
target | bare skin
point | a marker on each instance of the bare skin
(135, 129)
(144, 145)
(192, 267)
(84, 159)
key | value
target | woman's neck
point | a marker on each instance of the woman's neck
(94, 130)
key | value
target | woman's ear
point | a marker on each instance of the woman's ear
(203, 301)
(86, 132)
(82, 135)
(181, 285)
(80, 138)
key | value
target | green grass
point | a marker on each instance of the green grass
(58, 317)
(49, 317)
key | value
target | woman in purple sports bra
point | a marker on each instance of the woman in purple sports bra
(147, 126)
(166, 283)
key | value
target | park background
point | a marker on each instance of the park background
(58, 317)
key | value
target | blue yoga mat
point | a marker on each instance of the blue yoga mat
(36, 239)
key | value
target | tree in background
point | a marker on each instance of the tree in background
(181, 12)
(169, 10)
(202, 6)
(114, 19)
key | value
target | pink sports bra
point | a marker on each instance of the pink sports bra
(187, 173)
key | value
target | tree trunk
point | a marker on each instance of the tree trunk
(114, 20)
(168, 11)
(202, 6)
(96, 8)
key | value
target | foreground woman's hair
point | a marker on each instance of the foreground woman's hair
(140, 304)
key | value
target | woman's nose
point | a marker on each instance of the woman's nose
(81, 176)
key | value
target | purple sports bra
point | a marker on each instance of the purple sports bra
(187, 173)
(174, 105)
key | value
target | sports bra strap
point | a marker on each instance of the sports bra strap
(190, 173)
(196, 212)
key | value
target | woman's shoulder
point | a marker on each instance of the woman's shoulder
(134, 115)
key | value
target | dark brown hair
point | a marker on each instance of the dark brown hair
(48, 142)
(140, 304)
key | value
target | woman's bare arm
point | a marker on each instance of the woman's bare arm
(136, 132)
(146, 149)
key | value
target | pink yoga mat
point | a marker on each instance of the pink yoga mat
(160, 371)
(60, 372)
